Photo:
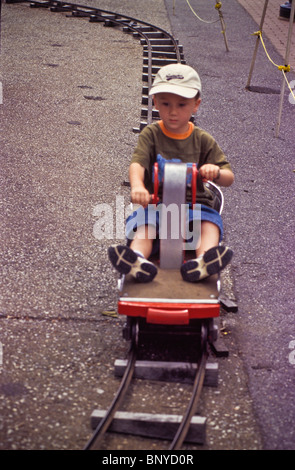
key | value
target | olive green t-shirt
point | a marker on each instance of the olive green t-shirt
(195, 146)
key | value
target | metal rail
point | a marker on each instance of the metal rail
(197, 389)
(101, 429)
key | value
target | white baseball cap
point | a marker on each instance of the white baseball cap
(179, 79)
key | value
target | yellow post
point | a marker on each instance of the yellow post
(257, 44)
(223, 30)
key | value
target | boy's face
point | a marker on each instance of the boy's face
(176, 111)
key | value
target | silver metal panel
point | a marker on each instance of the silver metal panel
(174, 198)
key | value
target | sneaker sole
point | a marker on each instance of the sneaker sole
(127, 261)
(213, 261)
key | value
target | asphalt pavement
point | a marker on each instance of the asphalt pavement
(71, 97)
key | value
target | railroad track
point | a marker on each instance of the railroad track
(180, 435)
(159, 49)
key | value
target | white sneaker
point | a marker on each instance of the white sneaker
(126, 261)
(211, 262)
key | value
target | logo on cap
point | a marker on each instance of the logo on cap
(174, 77)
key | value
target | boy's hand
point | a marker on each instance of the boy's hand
(223, 177)
(140, 195)
(209, 171)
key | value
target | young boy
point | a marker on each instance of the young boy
(176, 92)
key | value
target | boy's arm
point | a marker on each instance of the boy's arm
(139, 193)
(223, 177)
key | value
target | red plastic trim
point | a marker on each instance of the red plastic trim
(157, 312)
(194, 184)
(167, 317)
(155, 198)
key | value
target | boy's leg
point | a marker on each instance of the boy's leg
(209, 237)
(143, 240)
(133, 259)
(211, 257)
